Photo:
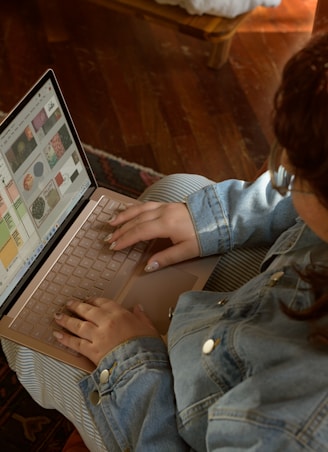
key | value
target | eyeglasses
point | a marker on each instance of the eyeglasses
(281, 180)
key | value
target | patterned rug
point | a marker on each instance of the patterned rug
(24, 425)
(118, 174)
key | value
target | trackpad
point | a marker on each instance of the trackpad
(159, 291)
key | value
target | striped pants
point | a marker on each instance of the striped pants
(54, 385)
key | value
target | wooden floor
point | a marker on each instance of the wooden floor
(143, 92)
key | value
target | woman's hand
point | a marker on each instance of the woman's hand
(156, 220)
(99, 325)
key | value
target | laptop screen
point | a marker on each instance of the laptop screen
(43, 176)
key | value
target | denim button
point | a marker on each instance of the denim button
(222, 302)
(104, 376)
(208, 346)
(94, 398)
(275, 278)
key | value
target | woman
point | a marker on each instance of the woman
(244, 370)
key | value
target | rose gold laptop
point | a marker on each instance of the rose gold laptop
(53, 221)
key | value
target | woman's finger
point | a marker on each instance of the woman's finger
(92, 311)
(139, 231)
(79, 327)
(80, 345)
(172, 255)
(131, 212)
(136, 225)
(170, 221)
(97, 301)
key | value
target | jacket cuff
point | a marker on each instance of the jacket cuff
(210, 221)
(116, 365)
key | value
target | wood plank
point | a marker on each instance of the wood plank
(288, 17)
(143, 91)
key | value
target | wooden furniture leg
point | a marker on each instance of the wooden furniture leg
(219, 54)
(217, 30)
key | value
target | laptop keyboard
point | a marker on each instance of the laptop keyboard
(87, 268)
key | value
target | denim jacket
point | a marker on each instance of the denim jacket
(238, 374)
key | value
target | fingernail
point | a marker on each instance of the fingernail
(112, 218)
(113, 245)
(57, 335)
(152, 267)
(108, 237)
(58, 315)
(141, 308)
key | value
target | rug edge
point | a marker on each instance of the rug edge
(104, 154)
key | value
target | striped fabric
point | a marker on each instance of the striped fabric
(235, 268)
(54, 385)
(174, 188)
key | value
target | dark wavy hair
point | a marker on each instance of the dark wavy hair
(300, 116)
(300, 122)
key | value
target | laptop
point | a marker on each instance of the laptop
(53, 221)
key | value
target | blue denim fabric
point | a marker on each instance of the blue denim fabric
(136, 407)
(234, 213)
(261, 386)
